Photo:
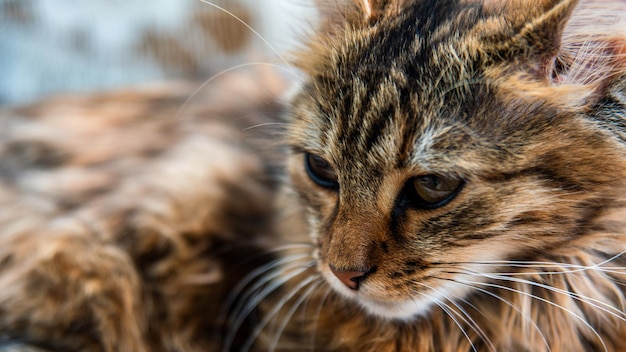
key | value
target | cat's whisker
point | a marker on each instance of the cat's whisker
(252, 30)
(267, 272)
(463, 314)
(285, 66)
(291, 260)
(234, 295)
(274, 311)
(249, 304)
(265, 247)
(569, 311)
(572, 268)
(446, 309)
(524, 314)
(265, 124)
(197, 91)
(278, 269)
(527, 263)
(575, 269)
(287, 318)
(318, 312)
(617, 313)
(269, 137)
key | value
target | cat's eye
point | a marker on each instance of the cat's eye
(320, 171)
(435, 191)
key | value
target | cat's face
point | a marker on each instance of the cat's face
(423, 157)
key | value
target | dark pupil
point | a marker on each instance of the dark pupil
(430, 182)
(320, 171)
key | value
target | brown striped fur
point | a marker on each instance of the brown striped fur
(121, 213)
(137, 221)
(524, 100)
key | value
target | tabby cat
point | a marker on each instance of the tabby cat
(451, 177)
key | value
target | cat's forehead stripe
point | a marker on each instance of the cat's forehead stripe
(401, 76)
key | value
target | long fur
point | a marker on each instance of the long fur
(148, 221)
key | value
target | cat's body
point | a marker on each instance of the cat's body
(456, 181)
(121, 211)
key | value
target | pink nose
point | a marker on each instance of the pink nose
(349, 278)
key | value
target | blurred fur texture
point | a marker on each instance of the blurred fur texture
(136, 221)
(121, 211)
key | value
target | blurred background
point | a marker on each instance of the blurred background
(49, 47)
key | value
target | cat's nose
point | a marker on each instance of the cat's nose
(349, 278)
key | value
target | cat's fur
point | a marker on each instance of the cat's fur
(524, 100)
(137, 247)
(120, 211)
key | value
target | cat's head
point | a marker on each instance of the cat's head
(434, 136)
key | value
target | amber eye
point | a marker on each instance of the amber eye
(435, 191)
(320, 171)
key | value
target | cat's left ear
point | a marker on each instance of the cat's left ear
(528, 28)
(573, 43)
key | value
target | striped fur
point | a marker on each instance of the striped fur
(524, 100)
(145, 221)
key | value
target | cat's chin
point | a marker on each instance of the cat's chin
(392, 310)
(398, 310)
(404, 311)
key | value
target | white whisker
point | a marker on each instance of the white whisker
(317, 316)
(247, 303)
(272, 313)
(291, 312)
(542, 264)
(266, 124)
(446, 310)
(234, 294)
(463, 315)
(260, 284)
(253, 31)
(581, 298)
(582, 319)
(514, 307)
(217, 75)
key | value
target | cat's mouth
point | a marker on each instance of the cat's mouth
(379, 302)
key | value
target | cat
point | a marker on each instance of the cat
(461, 169)
(450, 177)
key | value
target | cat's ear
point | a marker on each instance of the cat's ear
(573, 43)
(528, 28)
(350, 13)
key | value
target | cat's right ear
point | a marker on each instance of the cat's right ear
(338, 14)
(341, 21)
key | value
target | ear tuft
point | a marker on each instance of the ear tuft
(537, 25)
(352, 13)
(573, 48)
(593, 44)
